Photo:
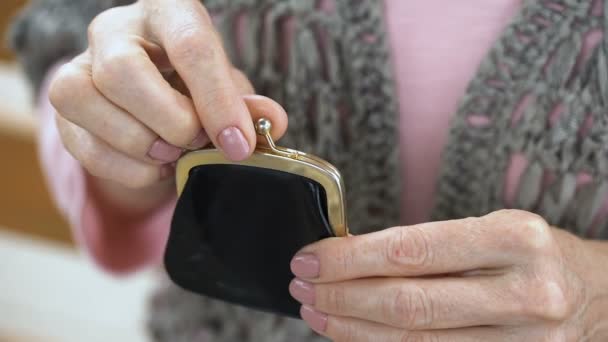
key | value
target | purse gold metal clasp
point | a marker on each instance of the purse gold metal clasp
(263, 127)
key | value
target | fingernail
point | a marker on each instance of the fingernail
(233, 143)
(167, 171)
(201, 140)
(164, 152)
(305, 266)
(302, 291)
(316, 320)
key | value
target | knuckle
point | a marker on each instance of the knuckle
(345, 260)
(410, 247)
(409, 307)
(114, 66)
(191, 44)
(134, 144)
(543, 300)
(66, 82)
(182, 131)
(531, 232)
(131, 143)
(552, 304)
(104, 21)
(332, 299)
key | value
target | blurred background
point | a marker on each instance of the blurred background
(48, 290)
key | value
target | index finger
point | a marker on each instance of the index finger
(491, 242)
(184, 29)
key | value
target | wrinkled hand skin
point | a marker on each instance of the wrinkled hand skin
(507, 276)
(153, 83)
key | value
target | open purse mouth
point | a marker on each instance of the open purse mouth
(279, 159)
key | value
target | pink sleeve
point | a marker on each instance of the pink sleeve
(117, 247)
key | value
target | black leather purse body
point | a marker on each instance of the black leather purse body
(237, 225)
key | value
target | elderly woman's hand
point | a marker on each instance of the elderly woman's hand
(507, 276)
(155, 81)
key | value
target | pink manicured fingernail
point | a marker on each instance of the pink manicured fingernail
(164, 152)
(201, 140)
(233, 143)
(306, 266)
(302, 291)
(316, 320)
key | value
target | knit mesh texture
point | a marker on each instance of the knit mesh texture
(537, 69)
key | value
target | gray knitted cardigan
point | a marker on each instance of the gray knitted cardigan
(338, 90)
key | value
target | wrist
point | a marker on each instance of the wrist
(595, 275)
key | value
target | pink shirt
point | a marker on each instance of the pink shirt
(437, 46)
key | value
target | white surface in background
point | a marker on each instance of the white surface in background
(54, 293)
(16, 105)
(15, 91)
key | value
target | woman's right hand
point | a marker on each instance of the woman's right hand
(155, 81)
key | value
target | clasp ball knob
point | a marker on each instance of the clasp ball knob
(263, 126)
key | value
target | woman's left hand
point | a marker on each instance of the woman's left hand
(507, 276)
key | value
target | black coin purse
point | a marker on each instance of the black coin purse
(237, 225)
